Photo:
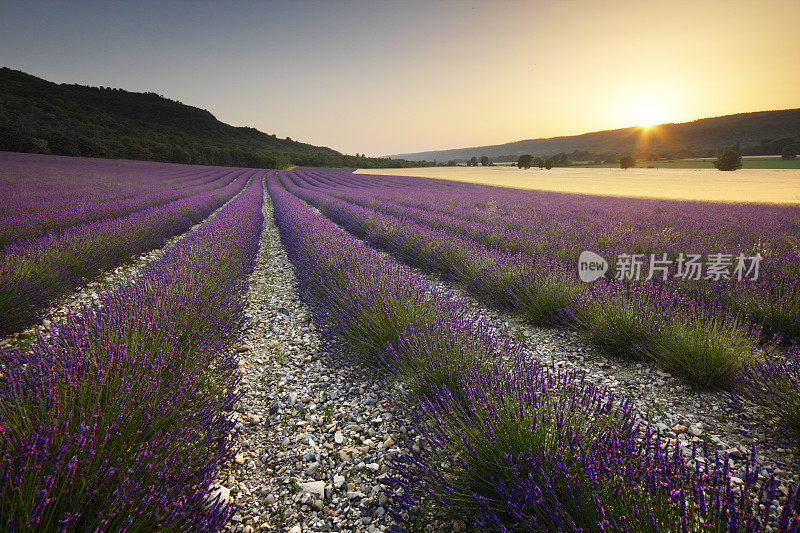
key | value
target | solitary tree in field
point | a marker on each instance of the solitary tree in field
(525, 161)
(626, 162)
(789, 152)
(730, 160)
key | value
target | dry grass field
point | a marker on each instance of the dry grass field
(779, 186)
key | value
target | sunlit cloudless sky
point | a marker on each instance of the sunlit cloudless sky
(383, 78)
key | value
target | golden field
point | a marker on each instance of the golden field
(778, 186)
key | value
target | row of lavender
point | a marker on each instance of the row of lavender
(118, 422)
(697, 340)
(35, 272)
(507, 442)
(23, 231)
(42, 194)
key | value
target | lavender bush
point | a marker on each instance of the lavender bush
(772, 382)
(117, 422)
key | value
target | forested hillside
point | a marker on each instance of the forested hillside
(758, 133)
(44, 117)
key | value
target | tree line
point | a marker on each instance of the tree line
(168, 149)
(786, 147)
(39, 116)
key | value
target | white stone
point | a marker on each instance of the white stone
(314, 487)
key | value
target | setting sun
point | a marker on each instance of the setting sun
(645, 105)
(648, 113)
(648, 120)
(246, 246)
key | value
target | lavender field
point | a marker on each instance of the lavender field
(65, 221)
(517, 445)
(520, 251)
(113, 418)
(137, 411)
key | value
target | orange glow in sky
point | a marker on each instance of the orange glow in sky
(392, 77)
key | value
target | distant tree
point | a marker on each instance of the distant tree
(730, 160)
(627, 162)
(538, 162)
(548, 163)
(473, 162)
(789, 152)
(452, 163)
(525, 161)
(484, 161)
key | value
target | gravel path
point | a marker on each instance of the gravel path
(663, 402)
(315, 440)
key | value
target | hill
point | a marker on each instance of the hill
(757, 133)
(45, 117)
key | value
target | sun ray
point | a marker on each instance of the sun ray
(648, 112)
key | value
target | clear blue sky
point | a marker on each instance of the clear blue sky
(389, 77)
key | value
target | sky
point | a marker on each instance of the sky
(381, 77)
